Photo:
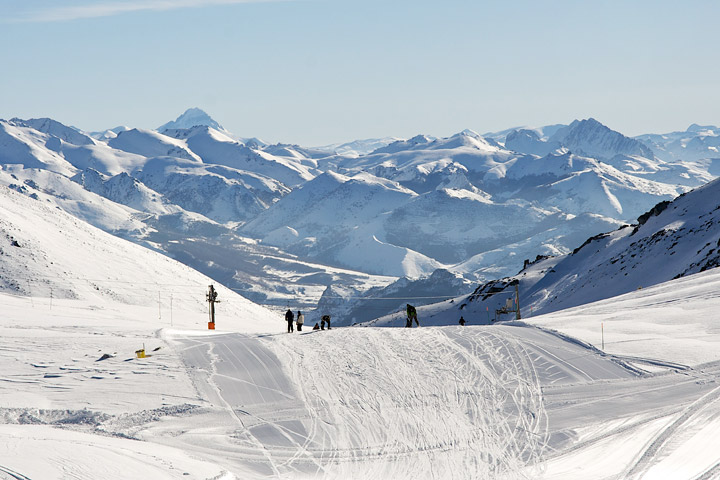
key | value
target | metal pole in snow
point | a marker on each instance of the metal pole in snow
(602, 334)
(171, 316)
(159, 311)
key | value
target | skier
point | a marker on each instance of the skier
(300, 321)
(411, 314)
(462, 321)
(289, 317)
(323, 320)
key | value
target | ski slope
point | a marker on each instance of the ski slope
(501, 401)
(539, 399)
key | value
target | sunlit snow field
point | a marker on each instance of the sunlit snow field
(502, 401)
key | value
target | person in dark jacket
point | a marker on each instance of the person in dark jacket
(323, 320)
(411, 314)
(462, 321)
(289, 318)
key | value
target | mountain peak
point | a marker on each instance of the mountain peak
(192, 117)
(695, 128)
(591, 138)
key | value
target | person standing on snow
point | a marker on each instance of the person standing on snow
(289, 317)
(462, 321)
(323, 320)
(411, 314)
(300, 321)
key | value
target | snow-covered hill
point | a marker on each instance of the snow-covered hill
(46, 253)
(672, 240)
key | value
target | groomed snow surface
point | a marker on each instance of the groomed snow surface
(474, 402)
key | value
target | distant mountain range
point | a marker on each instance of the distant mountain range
(283, 223)
(674, 239)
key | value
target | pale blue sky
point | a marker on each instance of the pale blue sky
(321, 71)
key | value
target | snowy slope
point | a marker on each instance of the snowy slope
(674, 239)
(26, 146)
(49, 145)
(250, 402)
(125, 190)
(589, 186)
(48, 253)
(151, 144)
(497, 402)
(221, 193)
(450, 224)
(680, 240)
(218, 148)
(309, 222)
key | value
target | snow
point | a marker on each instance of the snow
(466, 203)
(667, 318)
(249, 401)
(625, 387)
(508, 401)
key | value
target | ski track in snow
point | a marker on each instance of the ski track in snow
(436, 403)
(491, 413)
(388, 403)
(12, 474)
(661, 443)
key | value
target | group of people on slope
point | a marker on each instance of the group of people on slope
(299, 321)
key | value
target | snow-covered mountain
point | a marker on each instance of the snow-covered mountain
(358, 148)
(47, 253)
(474, 205)
(192, 117)
(672, 240)
(698, 142)
(593, 139)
